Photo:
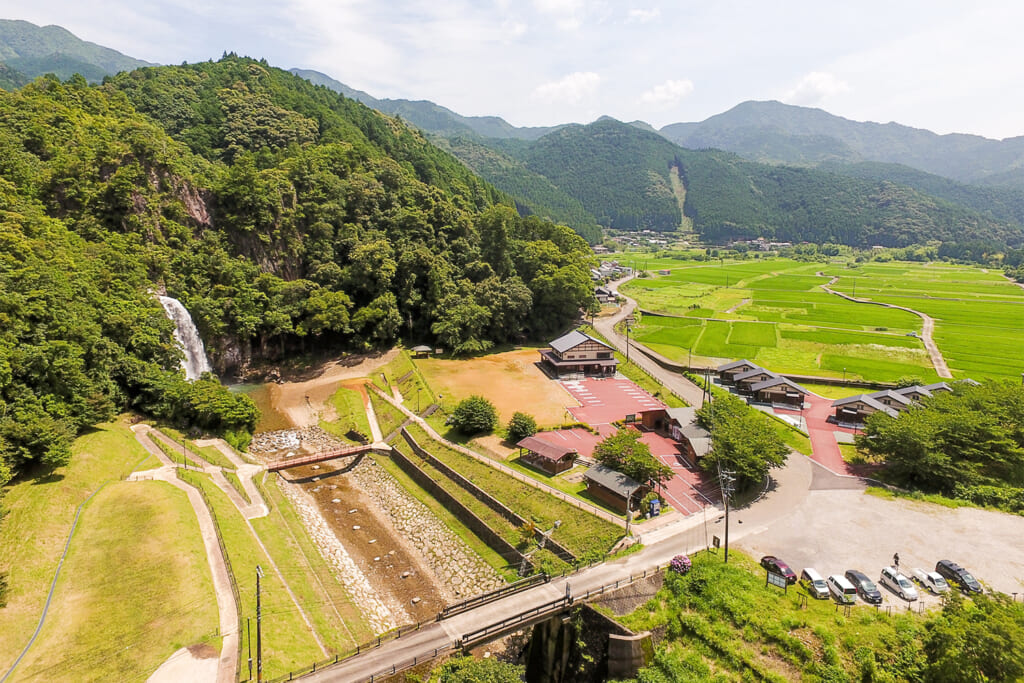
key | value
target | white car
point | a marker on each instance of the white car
(897, 583)
(931, 581)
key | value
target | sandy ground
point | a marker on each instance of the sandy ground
(196, 663)
(835, 530)
(510, 380)
(304, 403)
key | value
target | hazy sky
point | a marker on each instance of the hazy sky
(936, 64)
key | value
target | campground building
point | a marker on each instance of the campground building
(680, 425)
(546, 456)
(892, 402)
(577, 353)
(613, 488)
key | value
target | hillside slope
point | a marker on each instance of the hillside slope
(36, 50)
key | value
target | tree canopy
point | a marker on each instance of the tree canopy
(742, 441)
(624, 452)
(474, 415)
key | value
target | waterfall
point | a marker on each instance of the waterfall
(187, 336)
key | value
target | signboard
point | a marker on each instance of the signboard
(773, 579)
(716, 541)
(631, 418)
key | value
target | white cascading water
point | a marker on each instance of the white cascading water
(187, 336)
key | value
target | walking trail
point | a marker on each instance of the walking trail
(941, 369)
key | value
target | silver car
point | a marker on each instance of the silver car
(897, 583)
(931, 581)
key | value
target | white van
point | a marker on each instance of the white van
(897, 583)
(841, 589)
(814, 584)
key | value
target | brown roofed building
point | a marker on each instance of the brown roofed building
(546, 456)
(613, 488)
(578, 353)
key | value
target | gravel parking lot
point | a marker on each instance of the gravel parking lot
(835, 529)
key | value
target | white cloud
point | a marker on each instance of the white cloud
(571, 89)
(814, 88)
(669, 92)
(642, 16)
(565, 12)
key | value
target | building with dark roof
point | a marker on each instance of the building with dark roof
(546, 456)
(578, 353)
(613, 488)
(890, 401)
(778, 390)
(727, 373)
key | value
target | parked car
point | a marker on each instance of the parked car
(774, 564)
(866, 588)
(897, 583)
(958, 576)
(814, 584)
(931, 581)
(842, 590)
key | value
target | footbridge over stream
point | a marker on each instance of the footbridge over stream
(326, 455)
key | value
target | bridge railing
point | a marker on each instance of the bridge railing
(316, 457)
(491, 596)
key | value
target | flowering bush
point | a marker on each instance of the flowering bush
(680, 564)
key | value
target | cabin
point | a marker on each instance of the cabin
(728, 372)
(546, 456)
(745, 381)
(696, 441)
(579, 354)
(893, 401)
(604, 295)
(613, 488)
(680, 425)
(778, 390)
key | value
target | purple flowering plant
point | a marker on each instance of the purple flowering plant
(680, 564)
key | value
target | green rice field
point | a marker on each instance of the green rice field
(775, 313)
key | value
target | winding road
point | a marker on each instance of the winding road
(941, 369)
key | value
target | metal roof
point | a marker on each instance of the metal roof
(683, 416)
(868, 401)
(544, 449)
(612, 480)
(775, 381)
(750, 373)
(571, 340)
(735, 364)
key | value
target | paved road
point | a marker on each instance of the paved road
(790, 486)
(681, 386)
(822, 433)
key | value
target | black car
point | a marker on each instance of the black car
(866, 588)
(774, 564)
(957, 575)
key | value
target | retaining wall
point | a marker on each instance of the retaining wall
(484, 497)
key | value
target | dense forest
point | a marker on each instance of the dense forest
(284, 216)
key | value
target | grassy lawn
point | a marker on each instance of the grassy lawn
(39, 517)
(582, 533)
(336, 618)
(135, 587)
(724, 624)
(388, 417)
(287, 642)
(351, 414)
(236, 483)
(488, 555)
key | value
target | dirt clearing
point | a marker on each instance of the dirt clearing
(510, 380)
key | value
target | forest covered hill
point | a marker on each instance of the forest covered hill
(31, 51)
(285, 217)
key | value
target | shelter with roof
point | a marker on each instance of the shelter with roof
(577, 353)
(546, 456)
(778, 389)
(613, 488)
(679, 424)
(892, 402)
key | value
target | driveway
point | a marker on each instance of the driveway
(822, 433)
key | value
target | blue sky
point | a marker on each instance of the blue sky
(946, 66)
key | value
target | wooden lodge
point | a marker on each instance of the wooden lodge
(546, 456)
(855, 409)
(579, 354)
(613, 488)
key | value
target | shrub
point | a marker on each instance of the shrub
(474, 415)
(521, 426)
(680, 564)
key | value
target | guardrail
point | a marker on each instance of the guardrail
(491, 596)
(515, 620)
(317, 457)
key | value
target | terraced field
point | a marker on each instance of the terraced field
(773, 311)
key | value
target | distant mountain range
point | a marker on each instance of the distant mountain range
(27, 51)
(782, 171)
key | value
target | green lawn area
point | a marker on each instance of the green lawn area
(582, 533)
(348, 403)
(236, 484)
(135, 587)
(287, 642)
(39, 513)
(723, 623)
(389, 418)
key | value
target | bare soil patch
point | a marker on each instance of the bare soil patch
(380, 552)
(510, 380)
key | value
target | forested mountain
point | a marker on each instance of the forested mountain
(430, 117)
(36, 50)
(284, 216)
(780, 133)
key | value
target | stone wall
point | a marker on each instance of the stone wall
(484, 497)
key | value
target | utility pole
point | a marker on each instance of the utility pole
(727, 480)
(259, 628)
(248, 637)
(627, 342)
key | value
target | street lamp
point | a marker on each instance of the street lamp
(628, 328)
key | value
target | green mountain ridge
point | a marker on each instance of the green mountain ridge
(36, 50)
